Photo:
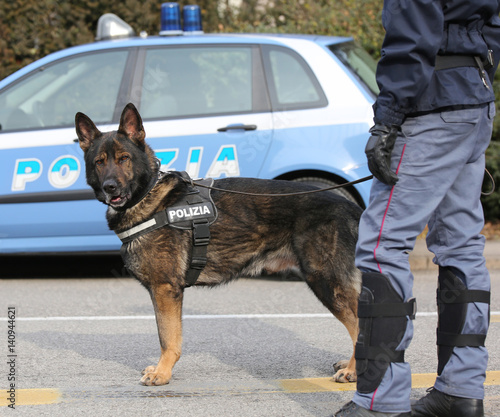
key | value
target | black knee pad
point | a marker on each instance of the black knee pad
(453, 298)
(382, 324)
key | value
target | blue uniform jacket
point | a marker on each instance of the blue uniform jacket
(417, 31)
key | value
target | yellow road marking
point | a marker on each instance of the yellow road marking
(290, 386)
(31, 396)
(306, 385)
(494, 319)
(492, 378)
(314, 385)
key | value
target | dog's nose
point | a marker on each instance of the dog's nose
(110, 186)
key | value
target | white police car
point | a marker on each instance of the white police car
(267, 106)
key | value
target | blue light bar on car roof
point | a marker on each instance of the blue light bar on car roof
(171, 19)
(191, 15)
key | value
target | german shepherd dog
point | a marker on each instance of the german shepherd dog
(314, 234)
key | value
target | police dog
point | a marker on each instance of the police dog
(314, 234)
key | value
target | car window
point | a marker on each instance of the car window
(293, 84)
(359, 62)
(196, 81)
(51, 96)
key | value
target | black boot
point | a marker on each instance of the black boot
(438, 404)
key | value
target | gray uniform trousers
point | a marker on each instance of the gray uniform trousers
(439, 159)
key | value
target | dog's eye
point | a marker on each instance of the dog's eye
(124, 158)
(99, 162)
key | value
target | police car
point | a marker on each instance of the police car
(268, 106)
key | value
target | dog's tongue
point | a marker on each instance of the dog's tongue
(116, 199)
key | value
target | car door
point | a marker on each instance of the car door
(45, 203)
(205, 108)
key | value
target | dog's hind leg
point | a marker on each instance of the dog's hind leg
(343, 304)
(167, 302)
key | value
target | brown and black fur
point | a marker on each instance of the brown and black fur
(314, 234)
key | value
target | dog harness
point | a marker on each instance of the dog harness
(196, 211)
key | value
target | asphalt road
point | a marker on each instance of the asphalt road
(257, 347)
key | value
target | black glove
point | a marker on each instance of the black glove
(378, 151)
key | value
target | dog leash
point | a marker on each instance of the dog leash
(334, 187)
(194, 183)
(346, 184)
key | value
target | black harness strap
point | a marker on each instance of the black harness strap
(195, 212)
(201, 238)
(157, 221)
(196, 197)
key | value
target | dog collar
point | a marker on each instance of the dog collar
(196, 212)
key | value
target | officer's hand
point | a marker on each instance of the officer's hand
(378, 151)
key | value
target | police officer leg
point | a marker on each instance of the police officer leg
(453, 299)
(427, 147)
(464, 285)
(386, 265)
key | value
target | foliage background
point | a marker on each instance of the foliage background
(31, 29)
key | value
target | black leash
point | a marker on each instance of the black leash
(369, 177)
(334, 187)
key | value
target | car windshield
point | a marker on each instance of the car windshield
(359, 62)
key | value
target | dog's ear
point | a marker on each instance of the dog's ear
(86, 130)
(131, 125)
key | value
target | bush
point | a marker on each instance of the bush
(31, 29)
(491, 203)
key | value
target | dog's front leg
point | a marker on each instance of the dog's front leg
(167, 302)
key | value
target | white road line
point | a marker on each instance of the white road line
(202, 317)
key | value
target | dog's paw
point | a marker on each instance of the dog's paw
(337, 366)
(148, 370)
(343, 373)
(152, 377)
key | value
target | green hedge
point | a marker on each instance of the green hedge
(491, 204)
(31, 29)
